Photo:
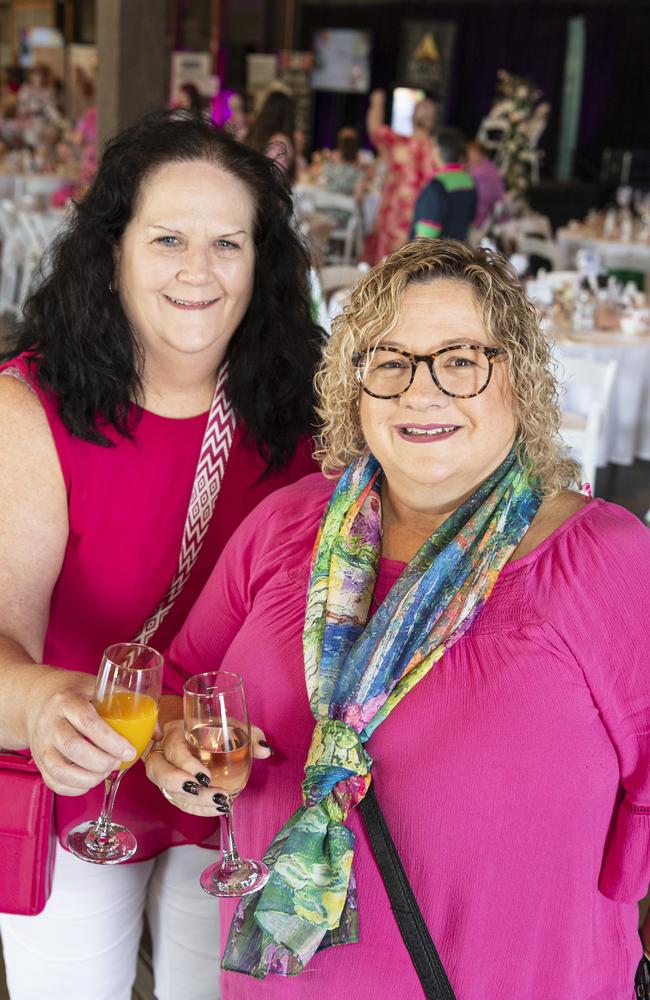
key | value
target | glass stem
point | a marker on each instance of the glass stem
(230, 860)
(103, 832)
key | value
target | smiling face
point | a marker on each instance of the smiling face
(186, 263)
(436, 449)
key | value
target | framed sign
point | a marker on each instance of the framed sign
(261, 71)
(342, 61)
(425, 56)
(192, 67)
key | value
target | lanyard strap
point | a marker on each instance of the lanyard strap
(215, 450)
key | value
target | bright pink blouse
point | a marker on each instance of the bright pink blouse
(514, 777)
(127, 506)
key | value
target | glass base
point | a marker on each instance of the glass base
(84, 845)
(249, 876)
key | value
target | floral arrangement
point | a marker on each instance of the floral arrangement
(518, 106)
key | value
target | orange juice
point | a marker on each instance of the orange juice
(131, 715)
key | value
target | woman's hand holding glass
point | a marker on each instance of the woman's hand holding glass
(127, 693)
(215, 745)
(218, 734)
(182, 779)
(73, 747)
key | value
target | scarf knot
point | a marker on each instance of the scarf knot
(337, 769)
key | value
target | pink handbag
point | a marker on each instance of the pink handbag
(27, 835)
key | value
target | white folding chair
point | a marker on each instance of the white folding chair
(539, 246)
(14, 257)
(587, 390)
(348, 233)
(34, 247)
(337, 281)
(490, 134)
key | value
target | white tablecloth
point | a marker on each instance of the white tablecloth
(627, 433)
(614, 254)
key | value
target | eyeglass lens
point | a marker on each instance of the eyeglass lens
(463, 371)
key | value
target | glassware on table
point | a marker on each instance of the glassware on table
(127, 692)
(218, 734)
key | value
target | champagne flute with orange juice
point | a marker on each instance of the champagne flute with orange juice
(127, 692)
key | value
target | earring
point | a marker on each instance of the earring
(110, 286)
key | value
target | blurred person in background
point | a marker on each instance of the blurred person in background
(447, 205)
(409, 161)
(272, 132)
(191, 98)
(487, 181)
(36, 99)
(342, 171)
(228, 112)
(174, 318)
(85, 132)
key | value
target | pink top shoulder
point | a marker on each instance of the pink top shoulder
(515, 777)
(127, 506)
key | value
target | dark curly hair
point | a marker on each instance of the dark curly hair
(83, 345)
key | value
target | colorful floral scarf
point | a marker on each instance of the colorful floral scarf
(356, 673)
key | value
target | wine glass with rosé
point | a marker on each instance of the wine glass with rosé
(127, 693)
(218, 734)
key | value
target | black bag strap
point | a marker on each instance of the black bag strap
(642, 980)
(410, 921)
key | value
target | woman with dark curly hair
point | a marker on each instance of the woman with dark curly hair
(163, 371)
(447, 620)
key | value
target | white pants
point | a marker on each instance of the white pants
(84, 945)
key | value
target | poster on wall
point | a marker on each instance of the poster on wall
(341, 61)
(261, 71)
(192, 67)
(425, 56)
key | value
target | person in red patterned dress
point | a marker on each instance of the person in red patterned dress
(411, 161)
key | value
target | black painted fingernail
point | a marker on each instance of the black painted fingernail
(264, 744)
(220, 798)
(223, 809)
(204, 779)
(191, 787)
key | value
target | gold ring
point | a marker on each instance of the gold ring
(154, 748)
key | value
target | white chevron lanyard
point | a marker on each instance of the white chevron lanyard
(217, 441)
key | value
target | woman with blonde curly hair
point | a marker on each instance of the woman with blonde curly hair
(445, 615)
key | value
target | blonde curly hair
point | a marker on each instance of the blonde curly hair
(510, 321)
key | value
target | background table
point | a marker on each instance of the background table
(627, 431)
(615, 255)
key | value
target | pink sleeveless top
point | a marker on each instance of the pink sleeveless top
(127, 506)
